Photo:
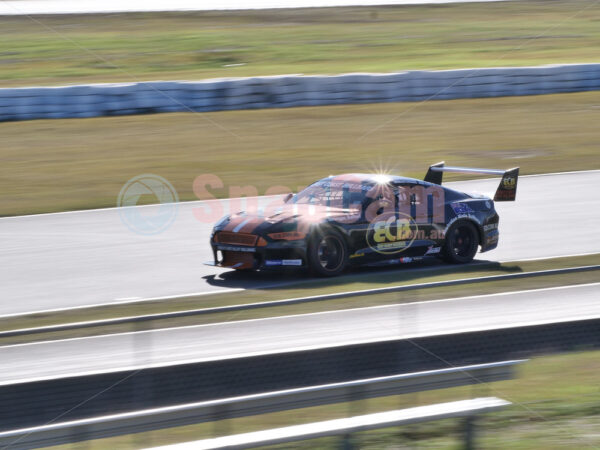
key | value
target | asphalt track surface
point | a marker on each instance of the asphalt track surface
(231, 339)
(21, 7)
(84, 258)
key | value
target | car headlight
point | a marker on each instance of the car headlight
(222, 221)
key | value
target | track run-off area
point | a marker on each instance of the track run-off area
(86, 258)
(201, 343)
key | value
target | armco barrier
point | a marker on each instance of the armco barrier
(288, 301)
(468, 409)
(291, 90)
(36, 403)
(64, 432)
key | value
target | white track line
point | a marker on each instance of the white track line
(127, 301)
(357, 341)
(540, 258)
(320, 313)
(335, 296)
(124, 302)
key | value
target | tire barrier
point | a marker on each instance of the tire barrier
(286, 91)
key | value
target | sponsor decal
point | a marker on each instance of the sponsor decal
(509, 182)
(491, 239)
(273, 262)
(389, 233)
(283, 262)
(404, 260)
(292, 262)
(356, 255)
(340, 183)
(461, 208)
(490, 226)
(433, 250)
(231, 248)
(488, 204)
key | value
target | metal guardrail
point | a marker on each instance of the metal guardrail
(286, 302)
(209, 411)
(462, 408)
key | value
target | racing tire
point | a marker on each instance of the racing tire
(461, 244)
(327, 254)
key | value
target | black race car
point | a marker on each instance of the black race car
(358, 219)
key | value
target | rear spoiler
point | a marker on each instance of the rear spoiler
(506, 192)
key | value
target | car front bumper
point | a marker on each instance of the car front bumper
(272, 256)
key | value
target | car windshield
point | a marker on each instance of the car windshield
(331, 192)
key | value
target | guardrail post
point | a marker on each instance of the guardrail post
(82, 437)
(469, 431)
(356, 407)
(221, 424)
(347, 442)
(355, 396)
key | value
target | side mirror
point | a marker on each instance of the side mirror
(288, 197)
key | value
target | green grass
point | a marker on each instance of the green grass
(556, 405)
(57, 165)
(358, 280)
(191, 45)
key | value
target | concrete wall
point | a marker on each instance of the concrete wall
(290, 90)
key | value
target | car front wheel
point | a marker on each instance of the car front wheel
(327, 254)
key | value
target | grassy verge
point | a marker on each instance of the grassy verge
(57, 165)
(124, 47)
(364, 279)
(556, 404)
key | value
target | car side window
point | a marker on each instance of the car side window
(414, 200)
(407, 195)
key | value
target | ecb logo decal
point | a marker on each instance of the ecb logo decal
(509, 182)
(391, 233)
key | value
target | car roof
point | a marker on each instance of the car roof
(374, 178)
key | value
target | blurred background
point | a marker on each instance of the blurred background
(96, 157)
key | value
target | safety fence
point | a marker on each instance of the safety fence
(291, 90)
(79, 396)
(58, 432)
(18, 332)
(468, 409)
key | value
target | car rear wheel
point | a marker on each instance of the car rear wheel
(327, 254)
(461, 243)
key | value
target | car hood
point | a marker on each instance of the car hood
(289, 217)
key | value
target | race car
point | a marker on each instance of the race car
(365, 219)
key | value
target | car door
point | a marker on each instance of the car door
(420, 209)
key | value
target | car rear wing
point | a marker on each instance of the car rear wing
(507, 189)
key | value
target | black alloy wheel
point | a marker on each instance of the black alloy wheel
(327, 254)
(461, 243)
